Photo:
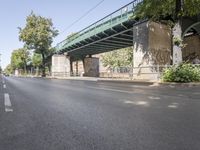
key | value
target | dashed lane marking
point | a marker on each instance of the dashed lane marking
(4, 86)
(7, 103)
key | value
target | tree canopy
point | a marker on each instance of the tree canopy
(8, 69)
(161, 9)
(38, 34)
(36, 60)
(19, 58)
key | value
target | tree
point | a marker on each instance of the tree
(19, 59)
(38, 34)
(8, 69)
(118, 58)
(162, 9)
(37, 61)
(171, 10)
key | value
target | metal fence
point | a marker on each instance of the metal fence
(134, 72)
(125, 72)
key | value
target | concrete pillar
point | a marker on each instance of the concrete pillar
(151, 47)
(91, 67)
(60, 66)
(76, 68)
(71, 67)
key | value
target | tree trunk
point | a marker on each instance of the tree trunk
(177, 43)
(49, 68)
(37, 71)
(43, 65)
(25, 71)
(177, 35)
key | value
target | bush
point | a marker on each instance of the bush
(182, 73)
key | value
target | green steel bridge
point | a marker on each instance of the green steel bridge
(110, 33)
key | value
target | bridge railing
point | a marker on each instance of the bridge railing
(117, 17)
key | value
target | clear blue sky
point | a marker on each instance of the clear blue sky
(62, 12)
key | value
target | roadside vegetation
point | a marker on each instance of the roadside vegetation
(118, 58)
(182, 73)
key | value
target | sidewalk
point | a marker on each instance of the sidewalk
(129, 81)
(102, 79)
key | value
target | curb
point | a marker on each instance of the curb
(174, 84)
(126, 81)
(120, 81)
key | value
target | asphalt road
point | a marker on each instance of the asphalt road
(50, 114)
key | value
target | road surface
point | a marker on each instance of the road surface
(50, 114)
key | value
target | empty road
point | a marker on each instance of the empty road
(50, 114)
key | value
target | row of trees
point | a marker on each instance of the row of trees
(23, 59)
(118, 58)
(37, 36)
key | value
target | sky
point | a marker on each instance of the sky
(63, 13)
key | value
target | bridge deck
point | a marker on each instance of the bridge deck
(112, 32)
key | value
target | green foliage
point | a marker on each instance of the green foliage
(118, 58)
(38, 34)
(9, 69)
(155, 8)
(191, 8)
(37, 60)
(160, 9)
(19, 58)
(182, 73)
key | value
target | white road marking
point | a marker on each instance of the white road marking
(152, 97)
(3, 82)
(4, 86)
(7, 103)
(139, 103)
(108, 89)
(173, 105)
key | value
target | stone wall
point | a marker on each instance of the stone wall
(102, 70)
(91, 67)
(151, 47)
(80, 70)
(192, 48)
(60, 65)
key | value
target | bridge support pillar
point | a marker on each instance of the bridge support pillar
(60, 66)
(91, 66)
(152, 45)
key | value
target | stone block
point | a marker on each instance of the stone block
(91, 67)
